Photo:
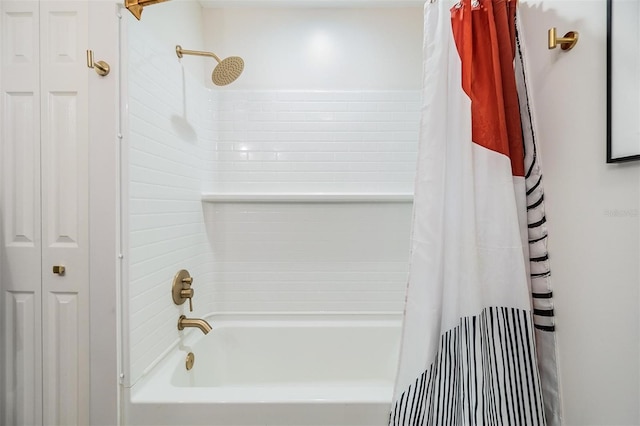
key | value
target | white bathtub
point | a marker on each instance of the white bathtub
(279, 370)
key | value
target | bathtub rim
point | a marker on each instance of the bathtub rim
(188, 336)
(373, 392)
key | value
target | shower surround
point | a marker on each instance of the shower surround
(188, 139)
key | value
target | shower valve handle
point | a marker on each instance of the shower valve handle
(188, 294)
(181, 289)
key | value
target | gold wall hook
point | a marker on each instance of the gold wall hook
(567, 42)
(102, 68)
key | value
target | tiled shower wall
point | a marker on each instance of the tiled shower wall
(297, 257)
(320, 256)
(186, 139)
(329, 101)
(166, 223)
(314, 141)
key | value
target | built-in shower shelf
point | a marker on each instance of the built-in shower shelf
(308, 197)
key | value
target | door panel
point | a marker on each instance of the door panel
(20, 258)
(23, 381)
(64, 121)
(44, 211)
(22, 170)
(61, 361)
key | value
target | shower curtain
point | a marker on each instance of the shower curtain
(478, 345)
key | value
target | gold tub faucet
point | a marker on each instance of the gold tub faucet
(184, 322)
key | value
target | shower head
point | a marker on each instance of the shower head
(225, 72)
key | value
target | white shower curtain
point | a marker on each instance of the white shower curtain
(478, 343)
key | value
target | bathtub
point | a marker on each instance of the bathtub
(279, 370)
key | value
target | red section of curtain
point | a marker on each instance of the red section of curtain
(484, 34)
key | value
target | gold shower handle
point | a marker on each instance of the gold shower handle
(567, 42)
(187, 292)
(102, 68)
(181, 288)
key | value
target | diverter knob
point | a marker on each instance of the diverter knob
(181, 289)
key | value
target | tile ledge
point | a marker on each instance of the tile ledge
(307, 197)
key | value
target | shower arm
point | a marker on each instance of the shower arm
(180, 51)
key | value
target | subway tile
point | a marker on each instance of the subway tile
(329, 106)
(167, 164)
(306, 156)
(392, 106)
(305, 136)
(362, 107)
(391, 95)
(354, 117)
(312, 166)
(261, 95)
(276, 166)
(235, 155)
(261, 116)
(261, 257)
(319, 116)
(291, 116)
(361, 156)
(262, 156)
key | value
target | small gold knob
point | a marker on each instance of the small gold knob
(190, 360)
(58, 269)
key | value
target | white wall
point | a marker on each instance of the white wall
(167, 106)
(592, 208)
(176, 22)
(186, 139)
(314, 141)
(329, 99)
(320, 49)
(309, 257)
(329, 102)
(592, 217)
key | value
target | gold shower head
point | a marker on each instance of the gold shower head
(227, 70)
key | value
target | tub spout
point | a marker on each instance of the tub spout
(183, 322)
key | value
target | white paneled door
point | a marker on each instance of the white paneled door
(44, 212)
